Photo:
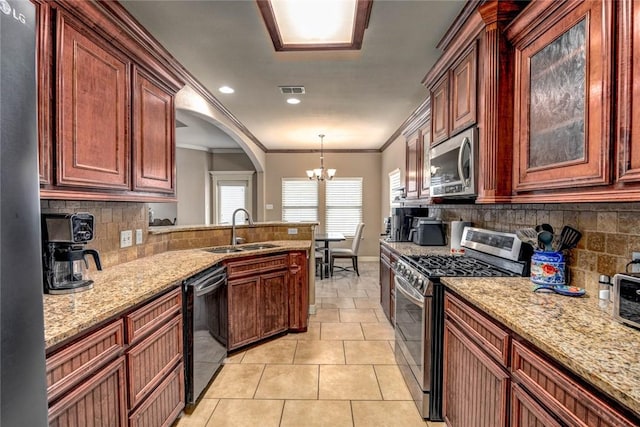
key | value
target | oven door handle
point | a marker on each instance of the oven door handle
(400, 287)
(206, 288)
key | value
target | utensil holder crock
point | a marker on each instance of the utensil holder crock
(548, 268)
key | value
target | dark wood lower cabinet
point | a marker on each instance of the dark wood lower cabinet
(273, 313)
(476, 388)
(164, 404)
(243, 312)
(267, 295)
(526, 412)
(298, 291)
(493, 378)
(102, 379)
(99, 401)
(387, 285)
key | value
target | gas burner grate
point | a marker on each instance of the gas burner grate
(456, 266)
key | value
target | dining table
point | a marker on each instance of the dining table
(327, 238)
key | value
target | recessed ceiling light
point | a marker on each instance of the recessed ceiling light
(226, 89)
(293, 101)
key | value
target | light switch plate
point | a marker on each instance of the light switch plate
(126, 238)
(269, 206)
(138, 236)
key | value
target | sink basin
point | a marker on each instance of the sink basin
(224, 250)
(259, 246)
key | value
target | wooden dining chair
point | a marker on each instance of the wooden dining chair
(348, 253)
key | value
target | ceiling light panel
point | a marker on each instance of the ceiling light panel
(315, 21)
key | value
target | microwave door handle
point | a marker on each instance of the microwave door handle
(463, 179)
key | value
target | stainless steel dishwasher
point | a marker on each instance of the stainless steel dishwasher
(205, 329)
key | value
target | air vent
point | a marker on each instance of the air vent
(179, 124)
(292, 90)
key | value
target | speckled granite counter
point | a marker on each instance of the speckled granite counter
(408, 248)
(583, 338)
(119, 288)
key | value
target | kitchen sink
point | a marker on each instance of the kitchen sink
(259, 246)
(224, 250)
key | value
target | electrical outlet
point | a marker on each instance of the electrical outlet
(292, 231)
(138, 236)
(635, 268)
(126, 238)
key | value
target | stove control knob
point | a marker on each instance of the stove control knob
(420, 284)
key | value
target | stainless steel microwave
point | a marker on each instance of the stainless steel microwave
(453, 166)
(626, 298)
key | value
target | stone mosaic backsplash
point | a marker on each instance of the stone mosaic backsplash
(113, 217)
(610, 231)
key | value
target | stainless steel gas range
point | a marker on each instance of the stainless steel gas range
(419, 297)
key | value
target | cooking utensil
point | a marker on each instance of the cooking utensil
(528, 235)
(544, 227)
(544, 240)
(569, 238)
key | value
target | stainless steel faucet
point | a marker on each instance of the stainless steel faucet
(233, 223)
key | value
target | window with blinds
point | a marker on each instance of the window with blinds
(343, 205)
(231, 197)
(299, 199)
(394, 183)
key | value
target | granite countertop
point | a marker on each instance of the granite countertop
(411, 249)
(573, 331)
(121, 287)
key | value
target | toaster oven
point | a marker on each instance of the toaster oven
(626, 298)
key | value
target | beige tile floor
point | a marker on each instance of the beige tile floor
(341, 372)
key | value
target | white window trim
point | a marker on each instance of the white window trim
(217, 176)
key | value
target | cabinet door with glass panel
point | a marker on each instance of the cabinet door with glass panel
(562, 108)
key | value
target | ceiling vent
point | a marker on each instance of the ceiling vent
(292, 90)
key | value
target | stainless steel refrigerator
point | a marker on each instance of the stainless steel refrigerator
(23, 384)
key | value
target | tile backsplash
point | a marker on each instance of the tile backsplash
(110, 219)
(610, 231)
(113, 217)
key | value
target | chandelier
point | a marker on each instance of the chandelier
(319, 173)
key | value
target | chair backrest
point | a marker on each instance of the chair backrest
(356, 239)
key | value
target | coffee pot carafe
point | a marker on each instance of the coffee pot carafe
(65, 266)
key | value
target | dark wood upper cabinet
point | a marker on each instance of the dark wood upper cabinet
(412, 171)
(425, 164)
(563, 61)
(153, 135)
(93, 107)
(105, 106)
(453, 98)
(463, 92)
(440, 110)
(627, 130)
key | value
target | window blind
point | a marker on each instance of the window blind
(394, 183)
(299, 199)
(343, 205)
(232, 197)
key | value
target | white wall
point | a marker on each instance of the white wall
(365, 165)
(393, 157)
(193, 186)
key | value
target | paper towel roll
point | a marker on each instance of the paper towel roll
(457, 227)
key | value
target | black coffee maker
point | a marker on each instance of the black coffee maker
(64, 263)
